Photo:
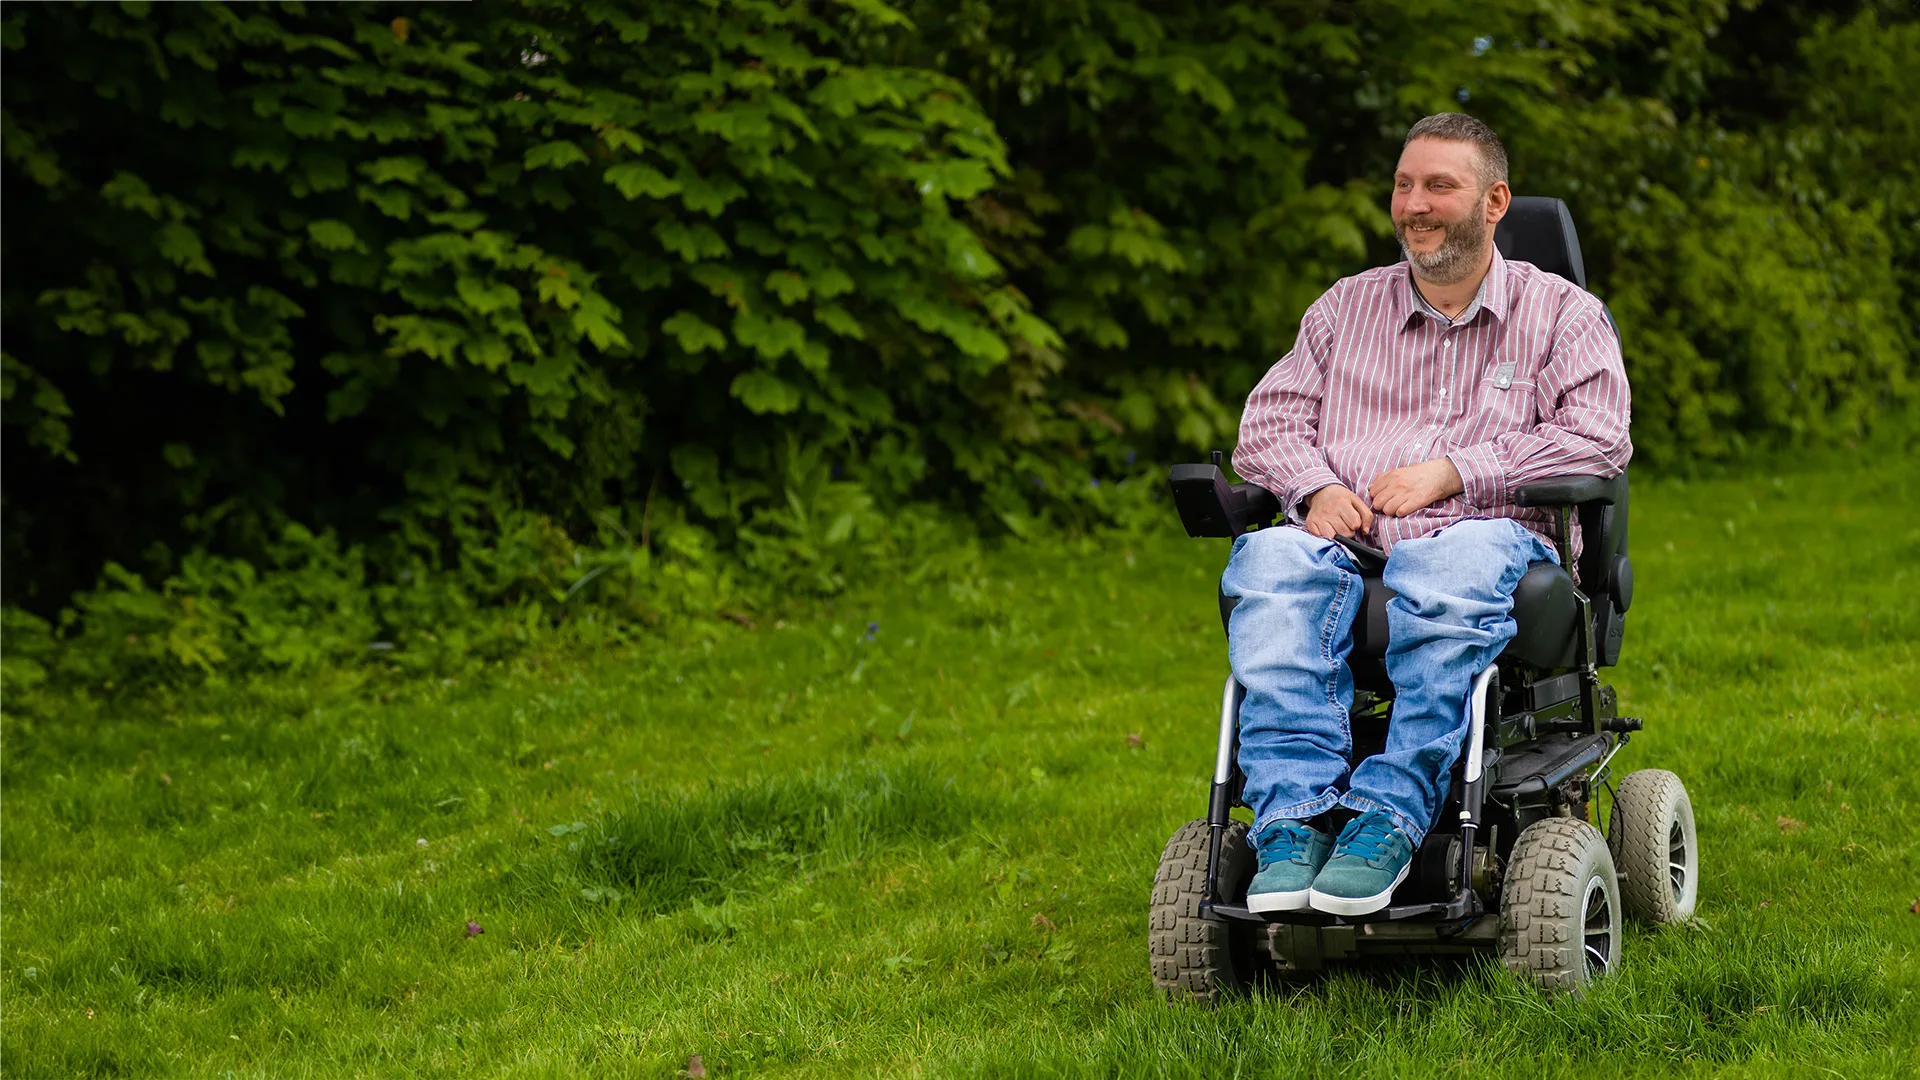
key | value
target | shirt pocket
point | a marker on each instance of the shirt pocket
(1502, 402)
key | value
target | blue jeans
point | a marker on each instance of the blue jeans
(1289, 637)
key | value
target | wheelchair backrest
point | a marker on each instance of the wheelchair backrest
(1539, 230)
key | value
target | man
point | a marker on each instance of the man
(1416, 398)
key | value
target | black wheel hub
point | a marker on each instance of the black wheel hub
(1596, 929)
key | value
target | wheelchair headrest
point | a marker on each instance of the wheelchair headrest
(1539, 230)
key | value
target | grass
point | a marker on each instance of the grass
(810, 850)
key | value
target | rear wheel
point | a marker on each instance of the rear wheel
(1194, 958)
(1655, 844)
(1560, 907)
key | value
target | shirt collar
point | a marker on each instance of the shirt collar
(1492, 297)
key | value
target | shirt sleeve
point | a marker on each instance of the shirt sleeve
(1280, 429)
(1584, 407)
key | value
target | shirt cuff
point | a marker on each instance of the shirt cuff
(1293, 499)
(1482, 479)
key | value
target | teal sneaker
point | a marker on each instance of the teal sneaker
(1291, 853)
(1370, 860)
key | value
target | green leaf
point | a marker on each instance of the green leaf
(182, 247)
(598, 320)
(854, 89)
(694, 334)
(790, 287)
(840, 321)
(491, 352)
(332, 235)
(619, 138)
(632, 180)
(830, 281)
(259, 157)
(691, 242)
(485, 296)
(557, 154)
(764, 392)
(394, 202)
(458, 220)
(709, 194)
(770, 336)
(403, 170)
(739, 123)
(129, 192)
(881, 13)
(558, 290)
(961, 178)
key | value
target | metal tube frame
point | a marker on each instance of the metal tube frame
(1220, 801)
(1586, 648)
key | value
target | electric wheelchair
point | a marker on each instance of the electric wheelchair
(1514, 861)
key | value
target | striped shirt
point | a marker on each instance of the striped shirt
(1526, 384)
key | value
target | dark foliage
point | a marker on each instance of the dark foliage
(351, 324)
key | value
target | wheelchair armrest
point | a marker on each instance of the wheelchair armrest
(1209, 506)
(1571, 491)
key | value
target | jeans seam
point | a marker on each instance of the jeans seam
(1326, 637)
(1334, 615)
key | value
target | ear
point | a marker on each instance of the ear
(1499, 197)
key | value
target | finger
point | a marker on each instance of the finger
(1318, 528)
(1366, 514)
(1348, 517)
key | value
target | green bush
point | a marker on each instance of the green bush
(340, 333)
(547, 255)
(1757, 228)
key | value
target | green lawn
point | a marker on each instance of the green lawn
(793, 850)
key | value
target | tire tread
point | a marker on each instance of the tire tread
(1192, 957)
(1541, 900)
(1642, 811)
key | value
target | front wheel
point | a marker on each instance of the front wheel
(1656, 845)
(1560, 907)
(1195, 958)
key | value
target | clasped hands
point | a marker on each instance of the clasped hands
(1335, 510)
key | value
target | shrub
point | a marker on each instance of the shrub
(338, 332)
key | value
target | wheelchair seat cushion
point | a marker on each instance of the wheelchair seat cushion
(1543, 607)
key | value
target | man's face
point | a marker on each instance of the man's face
(1440, 212)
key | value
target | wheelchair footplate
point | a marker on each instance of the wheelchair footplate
(1304, 941)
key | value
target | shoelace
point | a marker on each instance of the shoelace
(1368, 836)
(1286, 843)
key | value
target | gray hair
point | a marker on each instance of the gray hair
(1459, 127)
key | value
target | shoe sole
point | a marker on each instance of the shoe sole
(1278, 901)
(1355, 905)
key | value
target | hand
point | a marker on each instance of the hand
(1335, 511)
(1416, 487)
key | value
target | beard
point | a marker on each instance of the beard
(1458, 255)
